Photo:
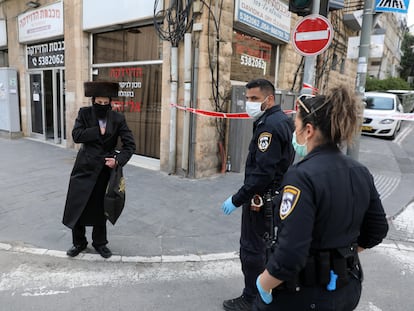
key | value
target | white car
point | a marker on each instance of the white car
(378, 113)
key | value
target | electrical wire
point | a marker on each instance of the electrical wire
(171, 24)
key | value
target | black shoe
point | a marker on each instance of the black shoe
(104, 251)
(75, 250)
(237, 304)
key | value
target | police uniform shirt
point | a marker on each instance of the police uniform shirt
(270, 154)
(329, 200)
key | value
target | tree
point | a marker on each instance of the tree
(373, 84)
(407, 59)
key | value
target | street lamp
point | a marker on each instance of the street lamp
(33, 4)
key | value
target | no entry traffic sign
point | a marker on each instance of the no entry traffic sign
(312, 35)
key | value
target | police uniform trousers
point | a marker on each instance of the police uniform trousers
(93, 215)
(252, 249)
(313, 298)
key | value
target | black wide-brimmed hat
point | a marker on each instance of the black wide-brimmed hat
(101, 89)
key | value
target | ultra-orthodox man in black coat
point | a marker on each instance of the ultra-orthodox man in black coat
(90, 175)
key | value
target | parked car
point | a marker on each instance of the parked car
(406, 98)
(378, 113)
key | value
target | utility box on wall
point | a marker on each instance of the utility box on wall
(240, 131)
(9, 102)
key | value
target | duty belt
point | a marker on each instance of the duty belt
(331, 269)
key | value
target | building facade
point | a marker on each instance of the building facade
(176, 77)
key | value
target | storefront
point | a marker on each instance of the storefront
(130, 53)
(45, 71)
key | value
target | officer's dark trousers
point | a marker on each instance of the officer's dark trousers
(313, 298)
(98, 235)
(252, 250)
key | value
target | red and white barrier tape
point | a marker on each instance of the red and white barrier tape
(395, 116)
(225, 115)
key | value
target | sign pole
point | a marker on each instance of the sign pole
(310, 61)
(363, 56)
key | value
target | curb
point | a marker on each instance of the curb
(158, 259)
(119, 258)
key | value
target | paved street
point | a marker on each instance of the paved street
(173, 247)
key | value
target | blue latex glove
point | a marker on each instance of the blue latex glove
(228, 207)
(266, 296)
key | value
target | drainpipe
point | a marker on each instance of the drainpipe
(191, 169)
(187, 101)
(173, 109)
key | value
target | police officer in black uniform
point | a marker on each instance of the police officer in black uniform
(329, 211)
(270, 154)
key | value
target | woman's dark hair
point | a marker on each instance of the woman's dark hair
(338, 114)
(265, 86)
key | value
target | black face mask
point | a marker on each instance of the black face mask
(101, 110)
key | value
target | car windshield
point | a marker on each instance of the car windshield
(379, 103)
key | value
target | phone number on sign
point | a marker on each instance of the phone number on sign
(49, 60)
(251, 61)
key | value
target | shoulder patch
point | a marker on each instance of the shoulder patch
(289, 199)
(264, 141)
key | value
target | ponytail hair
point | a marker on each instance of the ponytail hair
(338, 115)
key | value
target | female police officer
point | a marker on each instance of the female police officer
(329, 210)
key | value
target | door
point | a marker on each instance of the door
(36, 104)
(48, 105)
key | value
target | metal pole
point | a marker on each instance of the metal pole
(363, 56)
(310, 61)
(173, 110)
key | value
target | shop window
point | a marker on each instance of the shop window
(133, 44)
(252, 58)
(139, 96)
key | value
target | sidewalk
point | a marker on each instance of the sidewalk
(164, 215)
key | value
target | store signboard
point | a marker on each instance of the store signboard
(42, 23)
(96, 15)
(46, 55)
(3, 33)
(271, 17)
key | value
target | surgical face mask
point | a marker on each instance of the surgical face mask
(254, 109)
(301, 150)
(101, 110)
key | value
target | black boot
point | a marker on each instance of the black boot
(237, 304)
(75, 250)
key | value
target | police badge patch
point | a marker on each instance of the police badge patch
(264, 141)
(289, 199)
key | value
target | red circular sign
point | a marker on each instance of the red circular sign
(312, 35)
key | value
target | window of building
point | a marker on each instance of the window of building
(376, 63)
(127, 45)
(4, 59)
(139, 85)
(252, 58)
(334, 62)
(342, 69)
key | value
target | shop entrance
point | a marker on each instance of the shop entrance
(47, 105)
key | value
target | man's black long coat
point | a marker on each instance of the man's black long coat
(89, 177)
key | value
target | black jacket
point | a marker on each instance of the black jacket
(86, 190)
(270, 154)
(329, 201)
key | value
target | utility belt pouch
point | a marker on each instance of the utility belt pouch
(323, 267)
(341, 270)
(308, 274)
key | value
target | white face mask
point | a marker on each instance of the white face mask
(254, 109)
